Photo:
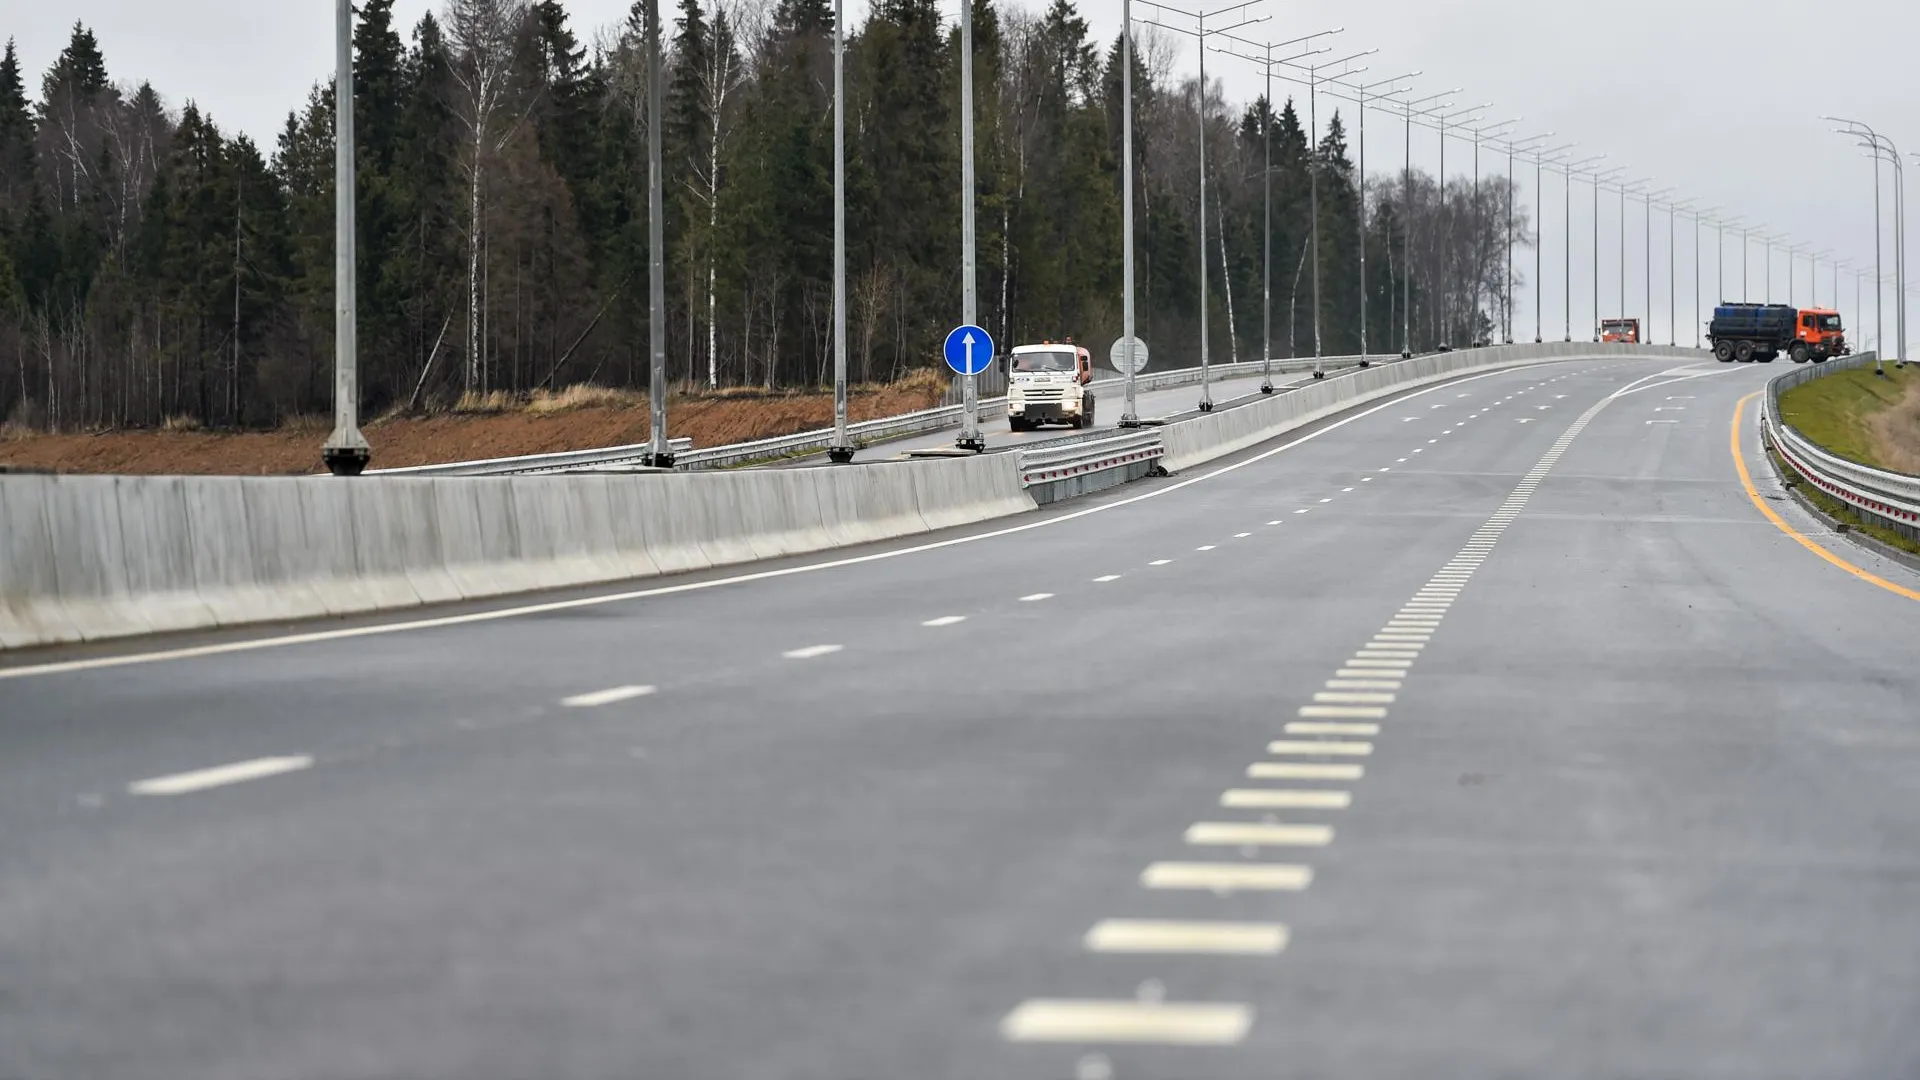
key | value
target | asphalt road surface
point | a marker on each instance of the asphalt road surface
(1490, 732)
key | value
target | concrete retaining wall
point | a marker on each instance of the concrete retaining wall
(86, 558)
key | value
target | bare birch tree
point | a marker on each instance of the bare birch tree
(485, 34)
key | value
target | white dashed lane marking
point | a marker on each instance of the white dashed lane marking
(1164, 1022)
(1227, 877)
(945, 620)
(1314, 748)
(1171, 936)
(606, 697)
(1257, 834)
(1104, 578)
(1284, 799)
(220, 775)
(1304, 770)
(812, 651)
(1036, 597)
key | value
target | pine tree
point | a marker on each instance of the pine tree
(16, 137)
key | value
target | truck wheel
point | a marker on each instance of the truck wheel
(1743, 352)
(1800, 354)
(1723, 351)
(1088, 409)
(1015, 423)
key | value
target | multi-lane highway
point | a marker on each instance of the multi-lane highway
(1490, 731)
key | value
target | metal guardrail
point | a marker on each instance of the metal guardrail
(1887, 498)
(863, 433)
(561, 461)
(1080, 459)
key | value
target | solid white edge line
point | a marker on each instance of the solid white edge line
(317, 637)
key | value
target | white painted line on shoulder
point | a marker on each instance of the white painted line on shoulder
(1255, 833)
(812, 651)
(1206, 547)
(945, 620)
(1326, 500)
(1347, 697)
(1159, 562)
(1241, 536)
(1170, 1023)
(1366, 479)
(1169, 936)
(1341, 712)
(1311, 748)
(1104, 578)
(1328, 727)
(1346, 489)
(1304, 770)
(1363, 684)
(1034, 597)
(1284, 799)
(220, 775)
(1273, 523)
(1303, 510)
(605, 697)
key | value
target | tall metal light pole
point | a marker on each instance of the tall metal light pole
(841, 449)
(346, 451)
(1766, 243)
(1406, 224)
(1793, 252)
(1646, 218)
(1313, 188)
(1528, 143)
(969, 297)
(1446, 246)
(659, 451)
(1881, 146)
(1362, 187)
(1480, 134)
(1129, 416)
(1720, 258)
(1600, 178)
(1200, 33)
(1540, 243)
(1267, 62)
(1566, 278)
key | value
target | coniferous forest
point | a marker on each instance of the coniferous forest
(155, 266)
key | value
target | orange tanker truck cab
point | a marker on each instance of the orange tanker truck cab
(1820, 334)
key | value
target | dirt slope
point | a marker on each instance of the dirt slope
(709, 420)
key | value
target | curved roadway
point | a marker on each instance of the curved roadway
(1492, 731)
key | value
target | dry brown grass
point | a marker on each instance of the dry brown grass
(583, 396)
(181, 422)
(494, 402)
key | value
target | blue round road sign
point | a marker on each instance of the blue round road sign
(969, 350)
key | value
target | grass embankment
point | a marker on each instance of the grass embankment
(1871, 420)
(1854, 414)
(479, 426)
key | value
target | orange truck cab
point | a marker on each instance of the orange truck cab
(1818, 335)
(1621, 330)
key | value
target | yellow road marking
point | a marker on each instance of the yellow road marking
(1746, 481)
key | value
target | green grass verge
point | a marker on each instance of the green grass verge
(1833, 410)
(1840, 511)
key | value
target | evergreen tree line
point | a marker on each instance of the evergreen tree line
(153, 266)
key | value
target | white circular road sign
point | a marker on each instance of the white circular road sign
(1128, 361)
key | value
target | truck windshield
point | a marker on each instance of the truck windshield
(1830, 322)
(1049, 360)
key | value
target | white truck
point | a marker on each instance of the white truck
(1047, 384)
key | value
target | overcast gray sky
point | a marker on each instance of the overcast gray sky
(1720, 99)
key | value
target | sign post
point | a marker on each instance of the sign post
(1128, 357)
(969, 350)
